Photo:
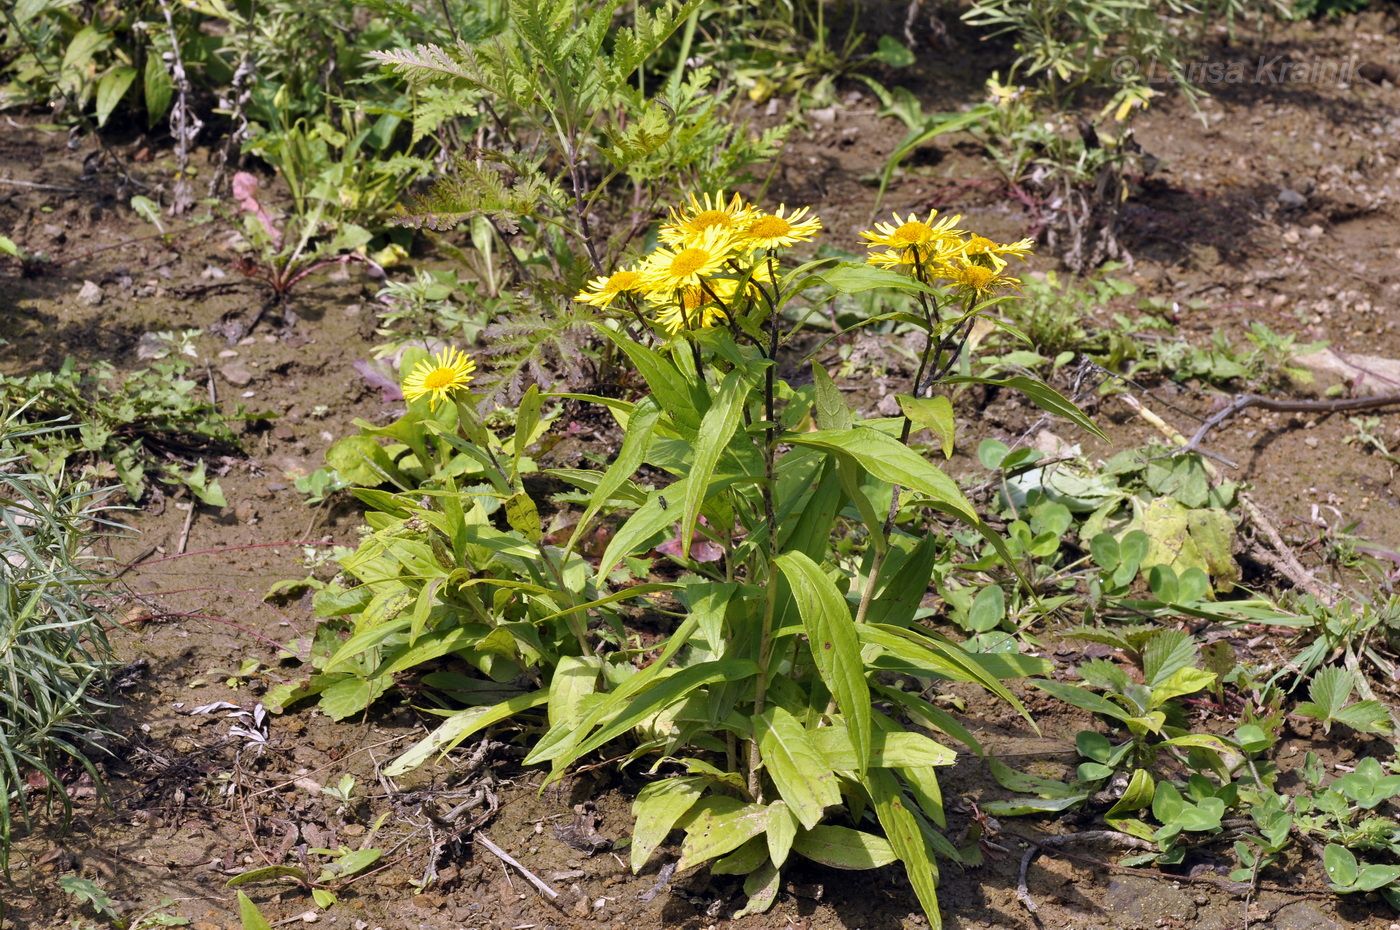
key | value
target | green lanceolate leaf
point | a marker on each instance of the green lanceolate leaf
(833, 415)
(804, 779)
(890, 460)
(648, 520)
(158, 87)
(907, 840)
(716, 429)
(810, 531)
(855, 279)
(843, 848)
(831, 635)
(575, 678)
(934, 414)
(681, 401)
(935, 654)
(249, 916)
(782, 830)
(1043, 396)
(665, 692)
(458, 727)
(111, 89)
(832, 410)
(560, 740)
(896, 603)
(720, 824)
(761, 886)
(635, 443)
(890, 749)
(527, 417)
(658, 808)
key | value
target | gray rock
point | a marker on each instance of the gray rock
(89, 295)
(236, 373)
(1290, 199)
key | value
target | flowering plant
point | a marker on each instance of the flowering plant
(788, 703)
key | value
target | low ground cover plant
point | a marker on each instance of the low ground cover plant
(54, 656)
(155, 424)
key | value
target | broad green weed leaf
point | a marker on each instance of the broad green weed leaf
(635, 443)
(157, 88)
(782, 830)
(803, 777)
(1166, 653)
(111, 89)
(575, 678)
(907, 841)
(658, 808)
(719, 825)
(458, 727)
(1181, 682)
(249, 916)
(1341, 865)
(761, 886)
(843, 848)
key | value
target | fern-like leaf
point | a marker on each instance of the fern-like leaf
(547, 346)
(424, 64)
(477, 190)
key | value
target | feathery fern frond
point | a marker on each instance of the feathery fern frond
(633, 46)
(424, 64)
(545, 345)
(475, 190)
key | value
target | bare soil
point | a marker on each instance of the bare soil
(191, 805)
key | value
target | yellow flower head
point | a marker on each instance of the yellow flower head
(976, 280)
(705, 214)
(914, 240)
(724, 287)
(686, 263)
(692, 309)
(602, 291)
(993, 251)
(440, 377)
(777, 231)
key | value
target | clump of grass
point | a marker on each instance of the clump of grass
(54, 655)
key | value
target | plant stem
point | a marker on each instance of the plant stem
(760, 698)
(765, 642)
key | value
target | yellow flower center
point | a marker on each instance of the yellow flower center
(688, 261)
(707, 218)
(976, 277)
(439, 378)
(912, 233)
(978, 245)
(622, 281)
(770, 227)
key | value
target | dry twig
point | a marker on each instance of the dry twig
(514, 863)
(1245, 401)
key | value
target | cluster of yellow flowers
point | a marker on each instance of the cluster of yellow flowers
(707, 248)
(936, 250)
(714, 244)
